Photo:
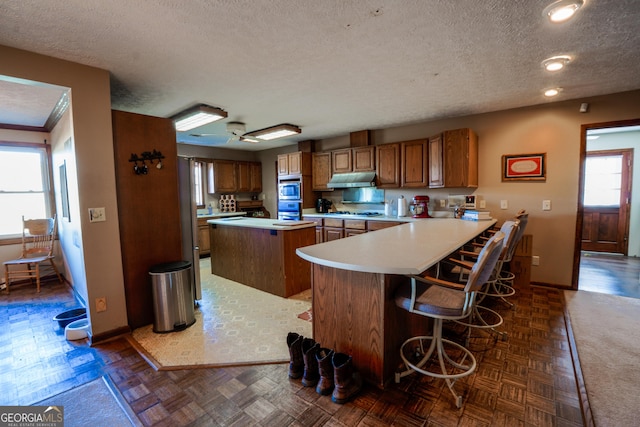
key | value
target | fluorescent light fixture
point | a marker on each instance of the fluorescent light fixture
(562, 10)
(556, 63)
(549, 93)
(197, 116)
(275, 132)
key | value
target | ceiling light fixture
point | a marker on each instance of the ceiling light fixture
(556, 63)
(562, 10)
(275, 132)
(549, 93)
(197, 116)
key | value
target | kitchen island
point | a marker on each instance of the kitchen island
(261, 253)
(354, 279)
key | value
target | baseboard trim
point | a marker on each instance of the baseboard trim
(110, 335)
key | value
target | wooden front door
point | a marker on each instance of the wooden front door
(607, 201)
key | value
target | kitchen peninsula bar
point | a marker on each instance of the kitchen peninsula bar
(354, 279)
(261, 253)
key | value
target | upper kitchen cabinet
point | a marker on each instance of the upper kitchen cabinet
(249, 177)
(221, 176)
(295, 164)
(388, 165)
(320, 171)
(357, 159)
(413, 161)
(453, 160)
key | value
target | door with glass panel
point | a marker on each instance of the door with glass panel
(607, 193)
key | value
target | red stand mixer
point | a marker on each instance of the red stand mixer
(420, 207)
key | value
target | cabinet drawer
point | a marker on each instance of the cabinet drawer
(379, 225)
(333, 222)
(357, 224)
(318, 221)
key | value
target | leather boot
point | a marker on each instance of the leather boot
(311, 374)
(347, 382)
(296, 363)
(325, 366)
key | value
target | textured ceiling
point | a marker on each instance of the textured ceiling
(330, 66)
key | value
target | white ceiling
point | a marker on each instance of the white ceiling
(328, 66)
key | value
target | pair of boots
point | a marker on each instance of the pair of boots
(331, 372)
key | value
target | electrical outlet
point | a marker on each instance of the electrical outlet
(97, 215)
(101, 304)
(504, 204)
(443, 203)
(535, 260)
(483, 204)
(546, 205)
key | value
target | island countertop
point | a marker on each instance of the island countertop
(262, 223)
(409, 248)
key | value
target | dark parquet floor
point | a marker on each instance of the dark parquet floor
(525, 380)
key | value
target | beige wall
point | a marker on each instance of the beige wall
(100, 265)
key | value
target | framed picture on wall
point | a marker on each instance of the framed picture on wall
(524, 167)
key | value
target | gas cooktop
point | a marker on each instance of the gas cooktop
(367, 213)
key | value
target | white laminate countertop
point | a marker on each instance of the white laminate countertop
(409, 248)
(264, 223)
(221, 215)
(367, 217)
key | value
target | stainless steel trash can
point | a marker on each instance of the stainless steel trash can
(173, 297)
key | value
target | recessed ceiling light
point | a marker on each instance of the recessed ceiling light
(549, 93)
(562, 10)
(197, 116)
(556, 63)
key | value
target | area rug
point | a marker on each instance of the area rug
(235, 325)
(606, 329)
(97, 403)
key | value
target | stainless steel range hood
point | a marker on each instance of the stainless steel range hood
(352, 180)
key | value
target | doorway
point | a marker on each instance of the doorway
(605, 227)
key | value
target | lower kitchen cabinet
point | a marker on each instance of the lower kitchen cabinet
(204, 242)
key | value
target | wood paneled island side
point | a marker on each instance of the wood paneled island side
(353, 282)
(261, 253)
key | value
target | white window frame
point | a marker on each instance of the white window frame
(47, 184)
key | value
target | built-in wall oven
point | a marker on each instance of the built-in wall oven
(289, 210)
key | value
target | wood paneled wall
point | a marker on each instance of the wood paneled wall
(148, 207)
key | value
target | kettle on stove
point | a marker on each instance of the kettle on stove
(323, 205)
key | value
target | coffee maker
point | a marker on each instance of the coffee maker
(323, 205)
(420, 207)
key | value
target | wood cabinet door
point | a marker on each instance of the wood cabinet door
(413, 161)
(436, 165)
(460, 154)
(319, 235)
(320, 171)
(364, 159)
(204, 242)
(341, 161)
(333, 234)
(388, 165)
(243, 175)
(295, 163)
(255, 177)
(283, 164)
(221, 176)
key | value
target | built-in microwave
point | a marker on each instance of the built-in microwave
(290, 190)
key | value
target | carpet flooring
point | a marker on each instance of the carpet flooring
(607, 338)
(97, 403)
(235, 325)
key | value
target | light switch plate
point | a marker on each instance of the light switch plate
(97, 215)
(546, 205)
(504, 204)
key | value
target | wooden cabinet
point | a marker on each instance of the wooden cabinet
(296, 163)
(359, 159)
(379, 225)
(229, 176)
(221, 176)
(320, 171)
(458, 164)
(353, 227)
(388, 165)
(333, 229)
(249, 177)
(413, 164)
(204, 242)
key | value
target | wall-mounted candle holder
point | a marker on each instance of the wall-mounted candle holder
(140, 162)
